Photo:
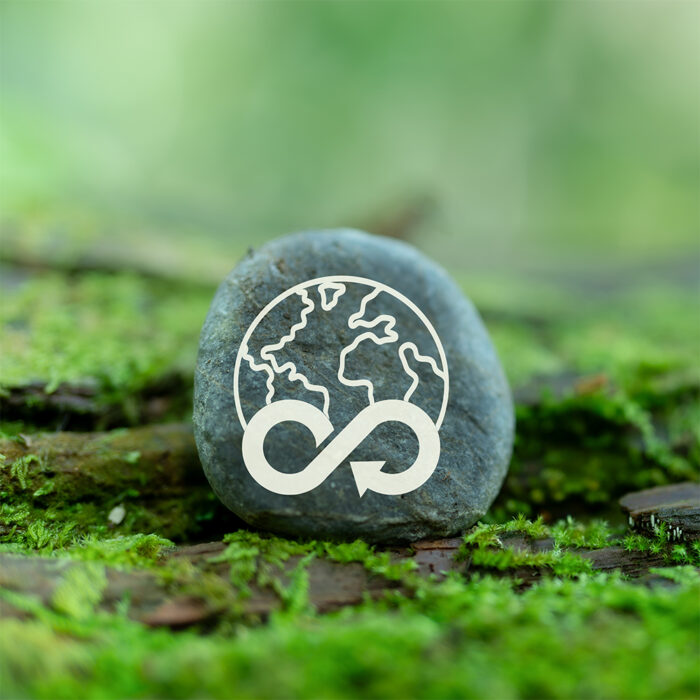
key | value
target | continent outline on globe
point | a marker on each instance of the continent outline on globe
(332, 281)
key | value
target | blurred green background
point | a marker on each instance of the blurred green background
(542, 140)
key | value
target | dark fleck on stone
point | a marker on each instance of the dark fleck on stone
(310, 329)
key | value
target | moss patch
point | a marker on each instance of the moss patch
(487, 545)
(596, 637)
(112, 334)
(27, 526)
(69, 487)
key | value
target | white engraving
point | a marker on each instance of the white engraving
(381, 330)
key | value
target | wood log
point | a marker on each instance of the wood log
(81, 405)
(677, 506)
(332, 585)
(156, 460)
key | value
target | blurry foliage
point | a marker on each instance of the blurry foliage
(546, 133)
(116, 331)
(478, 637)
(597, 636)
(79, 591)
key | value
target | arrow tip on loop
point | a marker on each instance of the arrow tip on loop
(365, 473)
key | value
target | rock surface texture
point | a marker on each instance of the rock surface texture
(377, 321)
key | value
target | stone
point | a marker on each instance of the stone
(340, 320)
(116, 515)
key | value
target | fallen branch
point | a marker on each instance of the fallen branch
(156, 460)
(331, 585)
(82, 406)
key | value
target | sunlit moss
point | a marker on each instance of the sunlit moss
(130, 550)
(483, 546)
(261, 558)
(375, 562)
(80, 590)
(660, 543)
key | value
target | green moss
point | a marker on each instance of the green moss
(486, 545)
(660, 543)
(566, 533)
(379, 563)
(591, 449)
(253, 556)
(10, 430)
(114, 332)
(483, 547)
(262, 558)
(40, 511)
(294, 593)
(594, 637)
(26, 525)
(560, 563)
(594, 534)
(582, 446)
(79, 591)
(521, 524)
(132, 550)
(20, 467)
(25, 528)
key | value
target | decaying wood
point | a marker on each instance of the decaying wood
(40, 577)
(677, 505)
(79, 406)
(437, 557)
(332, 585)
(156, 460)
(634, 564)
(151, 601)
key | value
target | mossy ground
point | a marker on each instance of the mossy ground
(575, 634)
(112, 335)
(616, 410)
(597, 636)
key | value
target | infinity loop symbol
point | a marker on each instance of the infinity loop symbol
(368, 475)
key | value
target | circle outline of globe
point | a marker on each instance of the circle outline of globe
(339, 279)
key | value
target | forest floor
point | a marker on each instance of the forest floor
(122, 576)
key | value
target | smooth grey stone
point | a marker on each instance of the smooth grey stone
(476, 434)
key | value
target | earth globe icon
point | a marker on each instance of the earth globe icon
(340, 343)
